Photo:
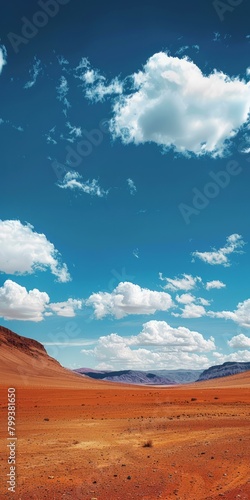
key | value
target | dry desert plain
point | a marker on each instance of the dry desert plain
(83, 439)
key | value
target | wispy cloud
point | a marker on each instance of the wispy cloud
(74, 132)
(186, 48)
(73, 181)
(3, 57)
(62, 92)
(50, 136)
(76, 343)
(95, 85)
(132, 186)
(62, 61)
(234, 244)
(136, 253)
(188, 282)
(10, 124)
(34, 73)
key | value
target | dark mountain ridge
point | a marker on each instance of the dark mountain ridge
(224, 370)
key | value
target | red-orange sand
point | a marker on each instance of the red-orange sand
(91, 445)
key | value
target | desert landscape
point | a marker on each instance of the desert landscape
(124, 250)
(85, 439)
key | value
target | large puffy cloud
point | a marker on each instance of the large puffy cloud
(186, 283)
(173, 104)
(241, 315)
(17, 303)
(3, 57)
(167, 347)
(234, 244)
(23, 251)
(162, 334)
(128, 298)
(239, 341)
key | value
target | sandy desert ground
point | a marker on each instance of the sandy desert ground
(83, 439)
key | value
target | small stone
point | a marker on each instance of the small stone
(51, 477)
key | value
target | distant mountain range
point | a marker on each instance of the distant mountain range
(153, 377)
(228, 368)
(166, 377)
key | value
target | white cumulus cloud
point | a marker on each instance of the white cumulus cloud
(240, 356)
(162, 334)
(185, 298)
(175, 105)
(17, 303)
(234, 244)
(157, 346)
(23, 251)
(239, 341)
(128, 298)
(214, 284)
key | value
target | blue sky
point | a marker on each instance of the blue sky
(124, 235)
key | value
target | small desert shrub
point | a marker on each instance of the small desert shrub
(193, 399)
(148, 444)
